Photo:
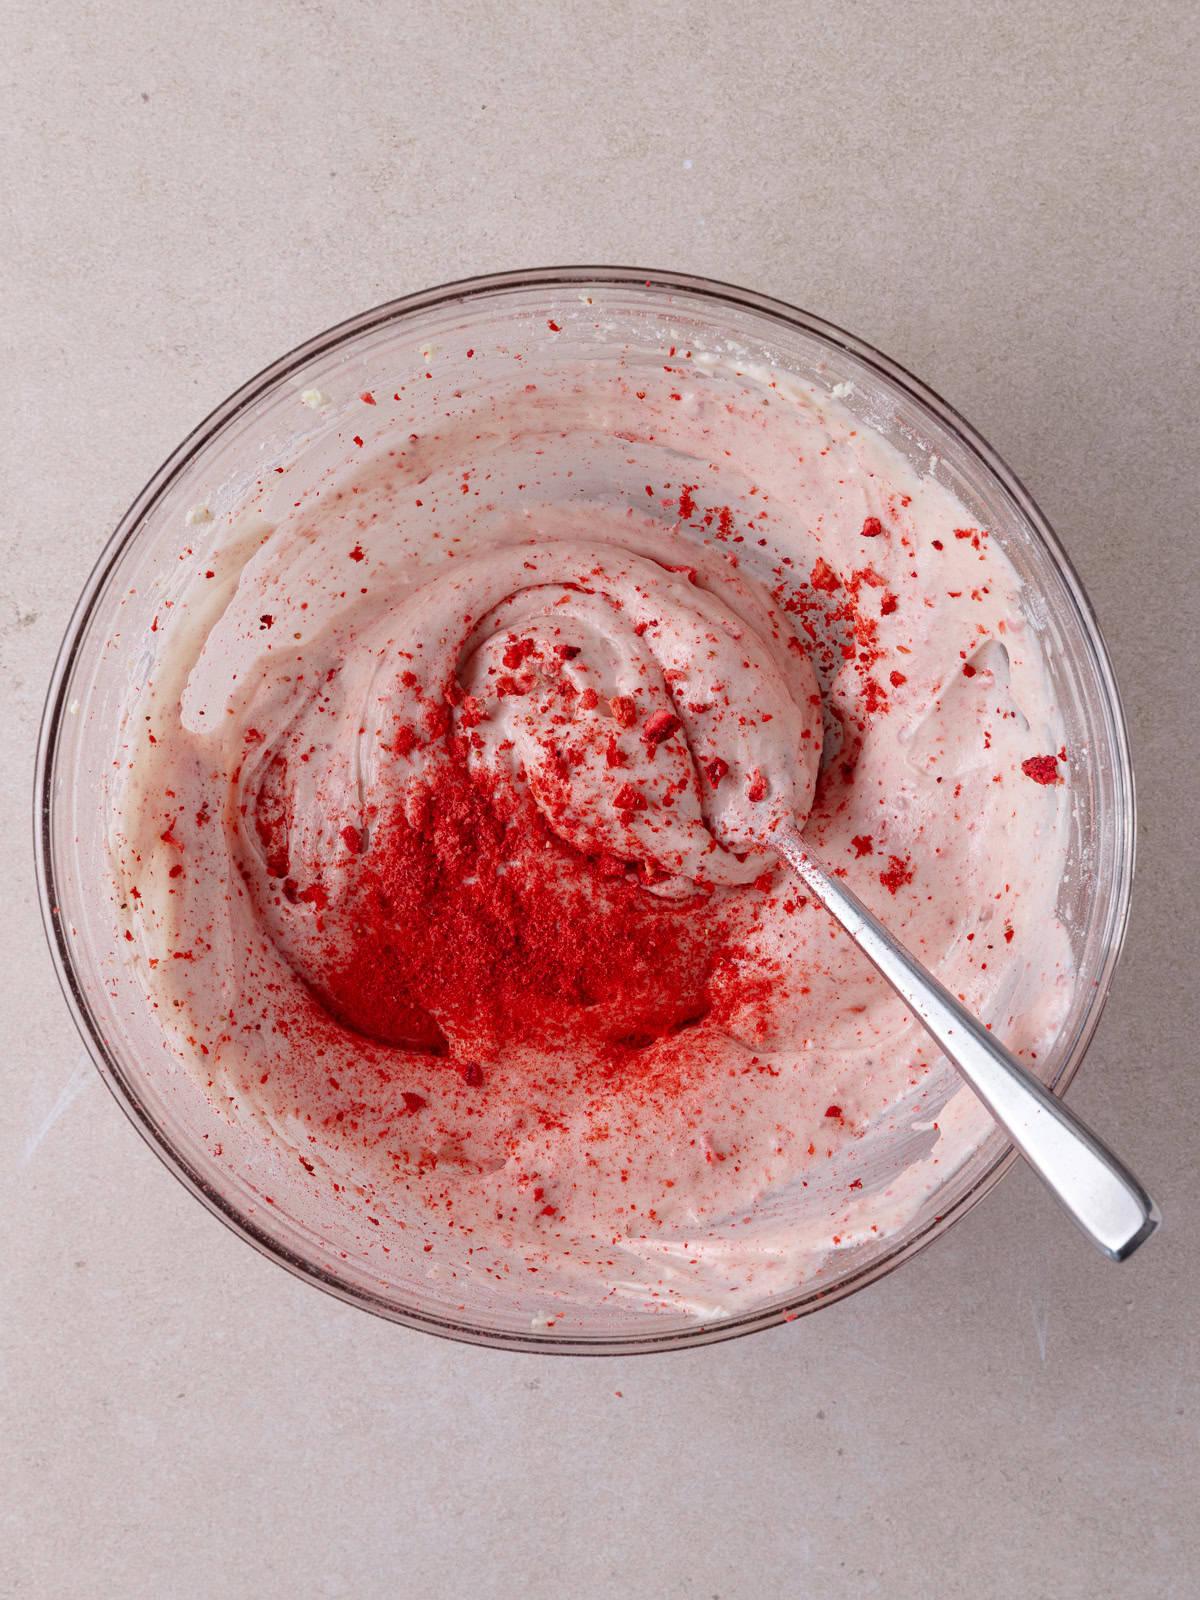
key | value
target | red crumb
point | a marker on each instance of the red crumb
(898, 873)
(658, 727)
(1042, 769)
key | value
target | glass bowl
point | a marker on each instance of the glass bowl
(603, 315)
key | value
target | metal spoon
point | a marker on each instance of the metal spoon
(1101, 1194)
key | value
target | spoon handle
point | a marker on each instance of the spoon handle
(1096, 1189)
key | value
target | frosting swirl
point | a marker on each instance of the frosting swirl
(656, 713)
(661, 720)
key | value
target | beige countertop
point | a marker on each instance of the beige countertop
(1004, 198)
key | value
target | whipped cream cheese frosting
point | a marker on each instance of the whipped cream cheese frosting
(441, 831)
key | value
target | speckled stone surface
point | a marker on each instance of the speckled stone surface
(1004, 198)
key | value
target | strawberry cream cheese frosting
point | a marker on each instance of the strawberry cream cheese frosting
(442, 831)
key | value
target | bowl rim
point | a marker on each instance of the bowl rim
(466, 291)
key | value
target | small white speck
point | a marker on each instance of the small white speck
(315, 399)
(687, 166)
(840, 391)
(429, 352)
(73, 708)
(198, 514)
(542, 1321)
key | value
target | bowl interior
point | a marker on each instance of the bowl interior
(467, 339)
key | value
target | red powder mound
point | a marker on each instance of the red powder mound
(475, 920)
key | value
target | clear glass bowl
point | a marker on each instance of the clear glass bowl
(601, 314)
